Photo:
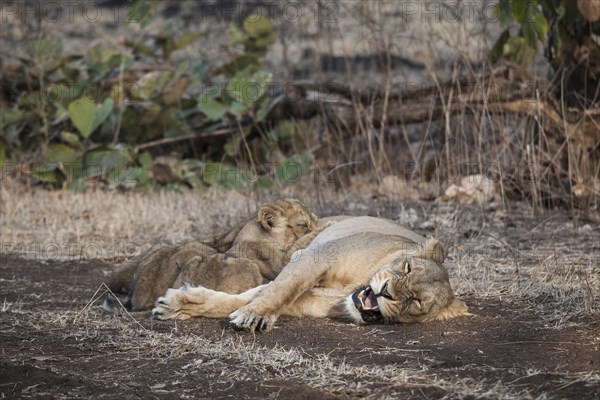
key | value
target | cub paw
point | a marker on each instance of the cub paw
(169, 306)
(248, 320)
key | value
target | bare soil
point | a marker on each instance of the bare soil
(53, 346)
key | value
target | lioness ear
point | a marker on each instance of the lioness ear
(268, 216)
(434, 250)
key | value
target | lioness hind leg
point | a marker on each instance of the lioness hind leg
(120, 280)
(200, 302)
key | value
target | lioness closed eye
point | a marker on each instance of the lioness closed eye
(378, 272)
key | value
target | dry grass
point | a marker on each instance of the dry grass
(555, 268)
(547, 268)
(112, 224)
(239, 359)
(108, 225)
(519, 154)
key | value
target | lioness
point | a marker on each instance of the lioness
(254, 253)
(364, 268)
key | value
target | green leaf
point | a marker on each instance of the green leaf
(288, 131)
(143, 179)
(548, 5)
(538, 25)
(232, 147)
(290, 170)
(265, 106)
(145, 160)
(70, 73)
(88, 116)
(78, 184)
(142, 12)
(247, 88)
(128, 176)
(502, 12)
(10, 116)
(151, 85)
(497, 50)
(103, 160)
(63, 93)
(519, 9)
(70, 138)
(259, 45)
(199, 71)
(235, 35)
(517, 49)
(241, 63)
(264, 182)
(46, 173)
(238, 110)
(101, 62)
(257, 26)
(172, 93)
(187, 165)
(217, 174)
(187, 39)
(181, 69)
(61, 153)
(47, 47)
(213, 109)
(193, 180)
(82, 113)
(60, 62)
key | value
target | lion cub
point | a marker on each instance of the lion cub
(251, 254)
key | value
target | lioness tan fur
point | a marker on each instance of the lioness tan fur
(251, 254)
(363, 268)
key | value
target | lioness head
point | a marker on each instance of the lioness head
(407, 290)
(286, 220)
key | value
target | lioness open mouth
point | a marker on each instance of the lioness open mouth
(365, 302)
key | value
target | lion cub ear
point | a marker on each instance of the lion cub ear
(268, 216)
(434, 250)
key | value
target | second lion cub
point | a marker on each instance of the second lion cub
(251, 254)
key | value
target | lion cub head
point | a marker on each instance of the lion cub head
(286, 220)
(412, 288)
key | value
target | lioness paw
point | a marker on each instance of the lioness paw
(248, 320)
(169, 306)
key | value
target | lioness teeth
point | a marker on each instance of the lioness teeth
(369, 300)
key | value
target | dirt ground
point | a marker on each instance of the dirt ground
(531, 336)
(531, 277)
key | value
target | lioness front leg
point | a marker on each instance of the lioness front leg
(199, 301)
(279, 297)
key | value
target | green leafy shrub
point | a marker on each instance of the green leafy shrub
(89, 113)
(552, 23)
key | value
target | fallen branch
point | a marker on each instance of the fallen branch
(506, 91)
(209, 136)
